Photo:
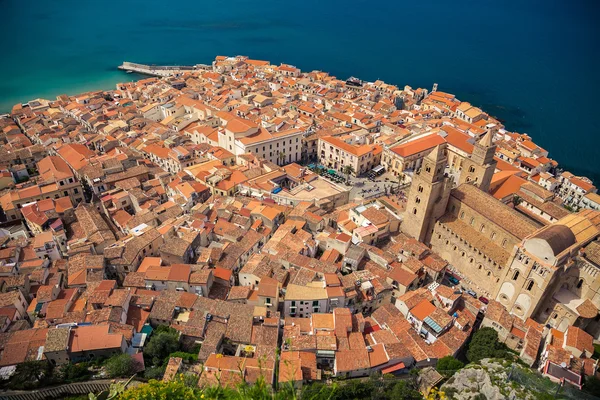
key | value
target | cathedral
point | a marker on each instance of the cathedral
(548, 272)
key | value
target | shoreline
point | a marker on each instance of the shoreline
(109, 80)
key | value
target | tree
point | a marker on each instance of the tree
(592, 386)
(175, 389)
(348, 170)
(485, 344)
(30, 375)
(516, 200)
(404, 390)
(74, 372)
(448, 365)
(163, 342)
(120, 366)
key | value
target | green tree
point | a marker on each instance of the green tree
(485, 344)
(592, 386)
(30, 375)
(448, 365)
(75, 372)
(175, 389)
(155, 372)
(120, 366)
(404, 390)
(348, 170)
(163, 342)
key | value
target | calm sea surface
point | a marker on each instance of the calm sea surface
(533, 64)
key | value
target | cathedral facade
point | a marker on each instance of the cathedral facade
(550, 273)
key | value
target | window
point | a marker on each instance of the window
(529, 286)
(415, 211)
(293, 303)
(420, 189)
(462, 215)
(268, 301)
(472, 220)
(417, 200)
(482, 228)
(580, 283)
(489, 273)
(493, 235)
(471, 169)
(504, 243)
(516, 275)
(315, 303)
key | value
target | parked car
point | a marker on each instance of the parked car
(472, 293)
(483, 300)
(453, 280)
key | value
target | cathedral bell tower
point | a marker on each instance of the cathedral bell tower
(480, 167)
(428, 195)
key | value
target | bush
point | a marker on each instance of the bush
(121, 365)
(448, 365)
(186, 357)
(30, 375)
(154, 389)
(155, 372)
(163, 342)
(75, 372)
(485, 344)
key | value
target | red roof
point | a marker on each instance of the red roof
(418, 145)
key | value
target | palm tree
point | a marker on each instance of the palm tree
(282, 157)
(348, 170)
(516, 200)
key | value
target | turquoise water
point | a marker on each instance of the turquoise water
(531, 63)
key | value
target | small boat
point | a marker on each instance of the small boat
(129, 72)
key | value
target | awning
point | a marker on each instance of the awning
(393, 368)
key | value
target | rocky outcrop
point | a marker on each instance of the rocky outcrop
(488, 381)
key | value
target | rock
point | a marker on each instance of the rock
(488, 381)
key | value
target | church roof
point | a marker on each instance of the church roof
(559, 238)
(494, 210)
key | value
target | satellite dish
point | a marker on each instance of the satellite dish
(563, 364)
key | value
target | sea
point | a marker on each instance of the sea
(534, 64)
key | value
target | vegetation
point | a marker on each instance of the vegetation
(163, 342)
(75, 372)
(186, 357)
(348, 170)
(31, 375)
(592, 385)
(372, 388)
(485, 344)
(119, 366)
(448, 365)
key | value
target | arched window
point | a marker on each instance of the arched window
(420, 189)
(472, 220)
(493, 236)
(480, 266)
(415, 211)
(516, 275)
(489, 273)
(504, 243)
(428, 169)
(462, 215)
(417, 200)
(482, 228)
(580, 283)
(529, 286)
(471, 169)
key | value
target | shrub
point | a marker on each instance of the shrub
(121, 365)
(448, 365)
(485, 344)
(163, 342)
